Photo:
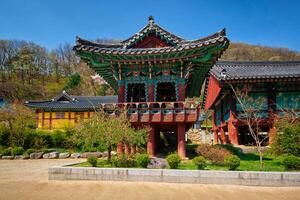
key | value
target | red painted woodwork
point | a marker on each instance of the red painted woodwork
(151, 93)
(216, 140)
(233, 129)
(181, 140)
(121, 94)
(272, 134)
(223, 136)
(126, 149)
(151, 145)
(181, 92)
(151, 41)
(212, 92)
(120, 148)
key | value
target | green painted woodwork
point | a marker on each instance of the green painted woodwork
(288, 100)
(201, 59)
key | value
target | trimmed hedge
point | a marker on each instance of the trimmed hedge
(291, 162)
(213, 153)
(200, 162)
(142, 160)
(173, 160)
(232, 162)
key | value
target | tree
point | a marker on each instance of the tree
(108, 130)
(251, 116)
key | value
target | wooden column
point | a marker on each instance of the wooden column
(151, 93)
(233, 130)
(223, 136)
(181, 140)
(181, 91)
(120, 149)
(126, 149)
(272, 134)
(216, 138)
(151, 145)
(121, 94)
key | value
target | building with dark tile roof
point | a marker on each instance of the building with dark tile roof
(275, 84)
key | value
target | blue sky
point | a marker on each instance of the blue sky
(52, 22)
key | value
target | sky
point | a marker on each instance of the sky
(53, 22)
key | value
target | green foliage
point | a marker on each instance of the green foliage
(7, 152)
(30, 151)
(37, 139)
(288, 142)
(103, 89)
(73, 81)
(291, 162)
(93, 161)
(123, 161)
(17, 151)
(58, 138)
(173, 160)
(142, 160)
(232, 162)
(200, 162)
(231, 148)
(215, 154)
(4, 135)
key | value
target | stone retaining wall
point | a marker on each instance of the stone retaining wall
(176, 176)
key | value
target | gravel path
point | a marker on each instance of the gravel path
(28, 180)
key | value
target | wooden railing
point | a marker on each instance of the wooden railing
(181, 111)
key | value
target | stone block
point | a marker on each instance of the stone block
(64, 155)
(7, 157)
(75, 155)
(38, 155)
(51, 155)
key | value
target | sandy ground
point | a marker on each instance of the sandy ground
(28, 179)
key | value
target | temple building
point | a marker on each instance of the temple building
(153, 72)
(66, 110)
(273, 89)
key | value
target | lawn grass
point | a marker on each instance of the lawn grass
(249, 162)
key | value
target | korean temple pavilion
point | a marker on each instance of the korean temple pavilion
(155, 72)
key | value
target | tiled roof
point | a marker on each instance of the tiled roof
(66, 102)
(241, 70)
(177, 43)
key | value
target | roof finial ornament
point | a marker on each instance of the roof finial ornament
(151, 19)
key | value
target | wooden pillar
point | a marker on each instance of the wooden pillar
(133, 149)
(151, 93)
(272, 134)
(126, 149)
(181, 91)
(121, 94)
(181, 140)
(151, 145)
(233, 130)
(120, 148)
(223, 136)
(216, 138)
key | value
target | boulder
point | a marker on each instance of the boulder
(51, 155)
(7, 157)
(89, 154)
(21, 157)
(64, 155)
(38, 155)
(75, 155)
(157, 163)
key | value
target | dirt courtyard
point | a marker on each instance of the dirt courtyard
(28, 179)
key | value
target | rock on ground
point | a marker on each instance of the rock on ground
(64, 155)
(36, 155)
(89, 154)
(51, 155)
(21, 157)
(7, 157)
(157, 163)
(75, 155)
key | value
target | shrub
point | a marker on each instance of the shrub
(30, 151)
(288, 141)
(291, 162)
(173, 160)
(17, 151)
(200, 162)
(215, 154)
(92, 160)
(232, 162)
(58, 138)
(123, 161)
(37, 139)
(230, 148)
(142, 160)
(7, 152)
